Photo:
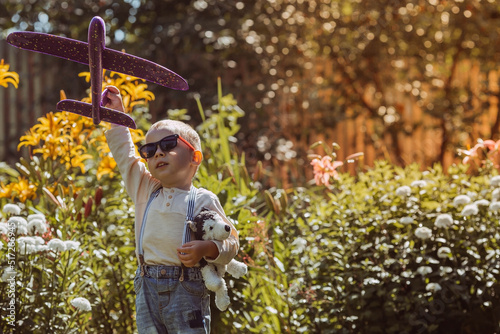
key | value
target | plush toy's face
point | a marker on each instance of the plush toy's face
(208, 225)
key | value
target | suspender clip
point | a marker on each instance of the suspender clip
(142, 264)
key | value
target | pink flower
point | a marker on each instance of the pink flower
(471, 153)
(489, 144)
(324, 169)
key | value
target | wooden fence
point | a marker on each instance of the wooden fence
(417, 139)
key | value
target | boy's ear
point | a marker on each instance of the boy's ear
(197, 157)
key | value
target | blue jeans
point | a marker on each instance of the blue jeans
(164, 304)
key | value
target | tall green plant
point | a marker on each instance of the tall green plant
(257, 306)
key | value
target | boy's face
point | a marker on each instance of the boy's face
(175, 168)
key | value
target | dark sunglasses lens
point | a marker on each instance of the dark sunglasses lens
(168, 144)
(147, 151)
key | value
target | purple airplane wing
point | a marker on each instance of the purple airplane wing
(138, 67)
(106, 114)
(112, 60)
(61, 47)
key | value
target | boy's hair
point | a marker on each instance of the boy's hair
(180, 128)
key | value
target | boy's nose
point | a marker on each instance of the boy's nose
(159, 152)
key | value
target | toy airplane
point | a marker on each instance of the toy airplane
(97, 56)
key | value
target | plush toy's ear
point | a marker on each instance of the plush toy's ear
(192, 226)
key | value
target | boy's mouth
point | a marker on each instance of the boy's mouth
(161, 164)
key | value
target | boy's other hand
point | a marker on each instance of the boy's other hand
(192, 252)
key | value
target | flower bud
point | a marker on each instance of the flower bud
(258, 171)
(98, 196)
(88, 207)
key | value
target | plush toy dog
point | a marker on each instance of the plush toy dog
(208, 225)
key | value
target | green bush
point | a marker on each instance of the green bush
(357, 261)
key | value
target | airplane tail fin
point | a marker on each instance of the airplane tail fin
(107, 115)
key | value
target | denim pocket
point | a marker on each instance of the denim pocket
(138, 283)
(196, 288)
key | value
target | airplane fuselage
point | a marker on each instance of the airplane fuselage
(97, 43)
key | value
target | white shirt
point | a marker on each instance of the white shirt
(167, 213)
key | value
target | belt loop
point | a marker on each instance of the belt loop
(192, 274)
(181, 277)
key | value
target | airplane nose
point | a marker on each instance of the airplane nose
(227, 228)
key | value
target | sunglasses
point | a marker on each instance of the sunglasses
(166, 144)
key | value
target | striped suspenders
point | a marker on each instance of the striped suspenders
(186, 236)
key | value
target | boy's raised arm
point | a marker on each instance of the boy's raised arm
(138, 181)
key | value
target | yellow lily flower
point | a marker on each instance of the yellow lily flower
(107, 166)
(7, 77)
(6, 190)
(23, 190)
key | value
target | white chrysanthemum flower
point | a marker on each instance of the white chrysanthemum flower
(423, 233)
(299, 244)
(4, 228)
(495, 181)
(494, 206)
(17, 221)
(25, 240)
(11, 209)
(39, 240)
(1, 245)
(443, 252)
(57, 245)
(424, 270)
(406, 220)
(403, 191)
(482, 202)
(461, 200)
(433, 287)
(444, 220)
(81, 303)
(38, 225)
(495, 194)
(470, 210)
(7, 274)
(26, 245)
(70, 244)
(36, 216)
(22, 229)
(419, 183)
(27, 249)
(42, 248)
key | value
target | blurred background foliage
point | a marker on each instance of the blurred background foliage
(301, 67)
(345, 258)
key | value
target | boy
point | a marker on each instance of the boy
(170, 294)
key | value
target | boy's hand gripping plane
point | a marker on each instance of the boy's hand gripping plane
(97, 56)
